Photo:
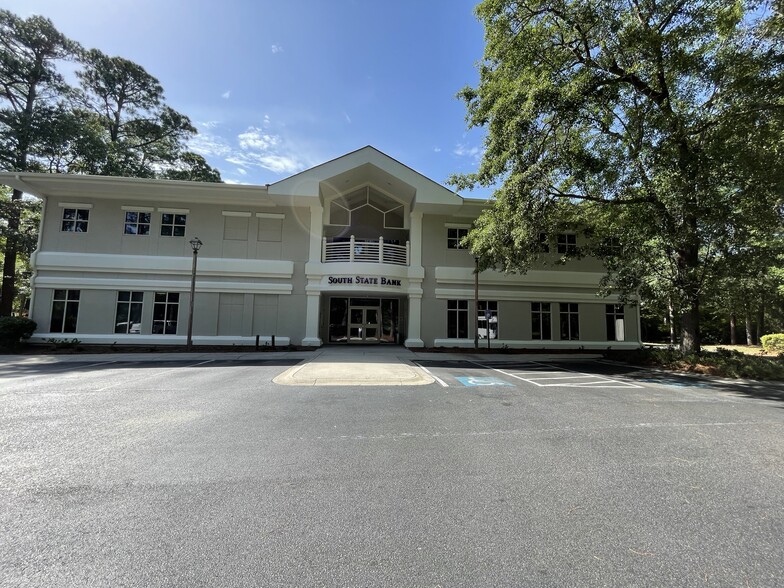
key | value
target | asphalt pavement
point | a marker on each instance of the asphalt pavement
(200, 470)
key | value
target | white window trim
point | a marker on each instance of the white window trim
(74, 205)
(138, 208)
(235, 213)
(175, 210)
(457, 226)
(270, 215)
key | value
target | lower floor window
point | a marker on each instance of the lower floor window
(487, 319)
(541, 324)
(65, 310)
(129, 312)
(457, 319)
(570, 321)
(164, 313)
(615, 324)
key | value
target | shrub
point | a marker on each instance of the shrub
(773, 343)
(13, 329)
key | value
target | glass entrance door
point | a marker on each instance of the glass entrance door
(364, 324)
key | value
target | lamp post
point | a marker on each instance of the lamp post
(476, 302)
(195, 245)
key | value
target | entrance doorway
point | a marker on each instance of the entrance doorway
(364, 324)
(366, 321)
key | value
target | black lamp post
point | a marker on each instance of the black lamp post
(195, 245)
(476, 302)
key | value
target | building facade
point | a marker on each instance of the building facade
(361, 249)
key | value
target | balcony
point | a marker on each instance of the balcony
(365, 251)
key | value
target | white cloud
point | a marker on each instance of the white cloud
(348, 118)
(256, 138)
(226, 95)
(277, 48)
(242, 171)
(436, 149)
(463, 150)
(209, 145)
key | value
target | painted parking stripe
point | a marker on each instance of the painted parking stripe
(535, 378)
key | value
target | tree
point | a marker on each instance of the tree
(660, 124)
(142, 135)
(31, 90)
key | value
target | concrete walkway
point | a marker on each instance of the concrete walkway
(343, 365)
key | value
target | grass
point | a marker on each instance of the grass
(716, 361)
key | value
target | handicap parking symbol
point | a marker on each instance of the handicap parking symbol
(474, 381)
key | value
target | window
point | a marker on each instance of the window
(75, 220)
(137, 223)
(457, 319)
(544, 245)
(612, 247)
(486, 306)
(541, 324)
(567, 243)
(128, 318)
(172, 224)
(570, 321)
(65, 310)
(454, 236)
(164, 313)
(615, 324)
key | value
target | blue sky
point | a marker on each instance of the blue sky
(275, 87)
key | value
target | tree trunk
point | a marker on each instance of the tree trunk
(690, 329)
(671, 322)
(760, 322)
(733, 329)
(749, 334)
(8, 289)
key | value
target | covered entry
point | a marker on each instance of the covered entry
(364, 320)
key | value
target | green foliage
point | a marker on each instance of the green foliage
(14, 329)
(115, 123)
(660, 125)
(773, 343)
(723, 362)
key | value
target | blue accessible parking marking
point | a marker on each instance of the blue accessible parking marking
(474, 381)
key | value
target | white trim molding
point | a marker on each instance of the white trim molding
(74, 205)
(235, 213)
(175, 210)
(278, 215)
(138, 208)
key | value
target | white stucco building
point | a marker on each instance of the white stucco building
(361, 249)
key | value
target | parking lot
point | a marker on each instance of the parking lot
(200, 471)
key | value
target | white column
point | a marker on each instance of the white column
(316, 232)
(415, 236)
(312, 321)
(414, 321)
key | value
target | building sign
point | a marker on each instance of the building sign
(365, 280)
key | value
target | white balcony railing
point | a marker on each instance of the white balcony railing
(364, 251)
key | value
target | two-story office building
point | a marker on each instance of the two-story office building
(361, 249)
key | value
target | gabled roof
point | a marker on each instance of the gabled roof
(367, 164)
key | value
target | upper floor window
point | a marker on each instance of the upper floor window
(137, 222)
(567, 243)
(367, 206)
(454, 236)
(173, 224)
(75, 220)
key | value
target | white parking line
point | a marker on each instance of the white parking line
(593, 381)
(156, 374)
(432, 375)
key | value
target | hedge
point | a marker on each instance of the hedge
(13, 329)
(773, 343)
